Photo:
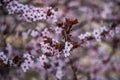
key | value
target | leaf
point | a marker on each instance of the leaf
(59, 24)
(17, 60)
(71, 22)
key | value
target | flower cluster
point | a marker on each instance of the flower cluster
(28, 62)
(98, 34)
(53, 41)
(68, 47)
(31, 13)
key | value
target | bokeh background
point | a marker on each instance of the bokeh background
(91, 14)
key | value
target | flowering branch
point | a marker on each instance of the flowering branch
(53, 42)
(31, 13)
(52, 47)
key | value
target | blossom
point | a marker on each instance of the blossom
(111, 33)
(56, 53)
(42, 59)
(54, 41)
(24, 67)
(45, 33)
(27, 56)
(103, 29)
(81, 36)
(87, 34)
(98, 38)
(96, 34)
(58, 30)
(3, 57)
(68, 46)
(45, 47)
(66, 53)
(66, 50)
(54, 15)
(29, 62)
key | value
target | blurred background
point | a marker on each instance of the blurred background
(84, 63)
